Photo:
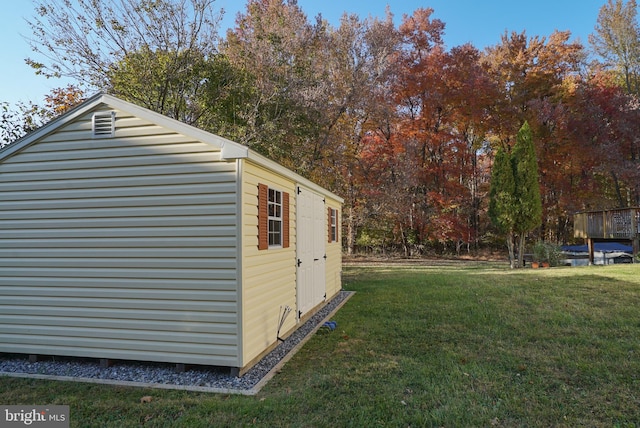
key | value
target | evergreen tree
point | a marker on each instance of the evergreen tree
(515, 206)
(502, 201)
(527, 188)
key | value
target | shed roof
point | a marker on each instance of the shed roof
(229, 149)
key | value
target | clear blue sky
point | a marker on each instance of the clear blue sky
(480, 22)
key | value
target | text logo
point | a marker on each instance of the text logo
(34, 416)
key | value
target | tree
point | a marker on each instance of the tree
(354, 116)
(281, 53)
(527, 188)
(604, 122)
(61, 100)
(472, 96)
(15, 124)
(318, 95)
(617, 40)
(167, 82)
(536, 77)
(226, 97)
(443, 101)
(515, 207)
(122, 46)
(11, 125)
(502, 200)
(528, 69)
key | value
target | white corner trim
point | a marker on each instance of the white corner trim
(231, 150)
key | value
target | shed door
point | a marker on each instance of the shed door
(310, 243)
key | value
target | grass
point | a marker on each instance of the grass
(463, 345)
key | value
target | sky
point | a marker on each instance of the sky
(480, 22)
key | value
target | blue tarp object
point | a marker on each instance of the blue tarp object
(605, 247)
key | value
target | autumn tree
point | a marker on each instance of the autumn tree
(443, 99)
(27, 117)
(319, 96)
(617, 40)
(536, 76)
(357, 115)
(528, 69)
(419, 91)
(604, 122)
(61, 100)
(472, 95)
(274, 43)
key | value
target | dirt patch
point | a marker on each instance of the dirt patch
(369, 260)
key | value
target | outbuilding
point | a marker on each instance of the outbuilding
(128, 235)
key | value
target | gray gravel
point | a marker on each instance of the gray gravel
(165, 374)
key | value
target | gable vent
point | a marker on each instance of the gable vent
(104, 124)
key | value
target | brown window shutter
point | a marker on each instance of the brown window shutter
(285, 220)
(329, 222)
(337, 227)
(263, 217)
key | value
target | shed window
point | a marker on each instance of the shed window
(103, 124)
(333, 225)
(273, 218)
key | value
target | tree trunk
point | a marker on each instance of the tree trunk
(512, 258)
(351, 233)
(616, 183)
(521, 241)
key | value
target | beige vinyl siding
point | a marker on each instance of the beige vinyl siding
(269, 276)
(333, 267)
(120, 247)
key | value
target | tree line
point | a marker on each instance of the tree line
(404, 128)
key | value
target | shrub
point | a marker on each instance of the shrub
(547, 253)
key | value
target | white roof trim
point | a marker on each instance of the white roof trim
(48, 128)
(229, 149)
(277, 168)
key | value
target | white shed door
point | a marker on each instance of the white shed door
(311, 229)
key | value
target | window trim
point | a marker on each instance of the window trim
(263, 218)
(333, 225)
(275, 217)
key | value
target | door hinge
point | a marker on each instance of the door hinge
(325, 257)
(299, 190)
(299, 262)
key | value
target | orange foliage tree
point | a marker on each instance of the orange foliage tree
(442, 99)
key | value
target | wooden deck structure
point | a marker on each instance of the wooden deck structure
(610, 225)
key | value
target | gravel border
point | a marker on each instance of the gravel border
(152, 375)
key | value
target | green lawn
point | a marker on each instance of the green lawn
(460, 345)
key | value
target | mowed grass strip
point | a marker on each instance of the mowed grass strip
(459, 345)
